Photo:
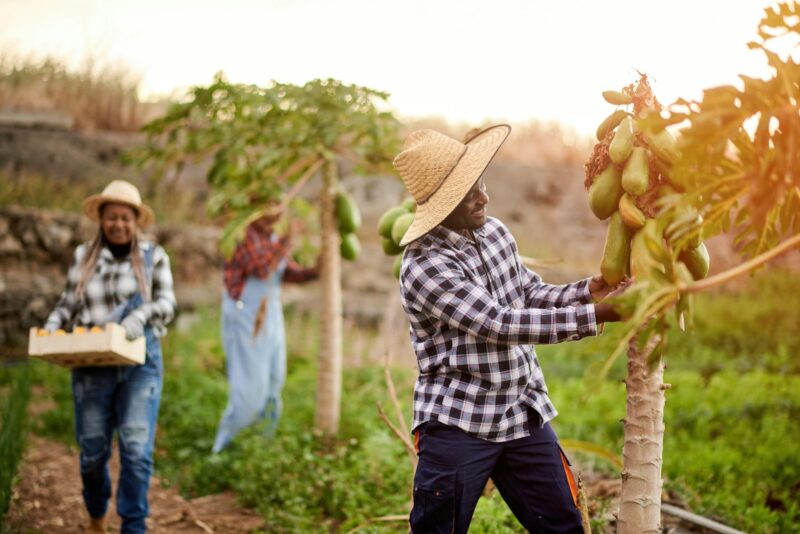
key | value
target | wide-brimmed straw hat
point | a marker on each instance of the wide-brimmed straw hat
(119, 192)
(439, 171)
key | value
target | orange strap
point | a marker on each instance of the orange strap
(573, 487)
(416, 441)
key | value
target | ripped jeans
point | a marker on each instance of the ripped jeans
(125, 399)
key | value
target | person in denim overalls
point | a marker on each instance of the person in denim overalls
(118, 278)
(252, 328)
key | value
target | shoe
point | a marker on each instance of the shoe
(96, 524)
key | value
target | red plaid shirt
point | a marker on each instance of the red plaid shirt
(258, 255)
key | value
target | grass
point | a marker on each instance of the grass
(96, 95)
(730, 447)
(15, 392)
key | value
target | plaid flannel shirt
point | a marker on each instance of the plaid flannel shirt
(113, 283)
(258, 255)
(478, 368)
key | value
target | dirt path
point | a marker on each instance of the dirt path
(48, 499)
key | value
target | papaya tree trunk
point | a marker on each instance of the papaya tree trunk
(329, 377)
(640, 500)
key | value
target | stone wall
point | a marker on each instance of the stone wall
(36, 248)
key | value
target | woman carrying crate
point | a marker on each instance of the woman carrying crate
(117, 278)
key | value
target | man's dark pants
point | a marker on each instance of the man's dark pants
(529, 472)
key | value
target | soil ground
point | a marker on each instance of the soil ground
(48, 499)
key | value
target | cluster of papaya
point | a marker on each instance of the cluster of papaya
(76, 330)
(627, 177)
(348, 219)
(392, 226)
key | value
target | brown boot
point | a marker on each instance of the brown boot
(96, 524)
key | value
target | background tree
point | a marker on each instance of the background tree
(737, 165)
(265, 143)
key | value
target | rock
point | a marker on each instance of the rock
(55, 237)
(9, 246)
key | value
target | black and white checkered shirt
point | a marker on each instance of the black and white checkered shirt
(473, 331)
(113, 283)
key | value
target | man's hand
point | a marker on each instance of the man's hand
(134, 327)
(599, 288)
(605, 312)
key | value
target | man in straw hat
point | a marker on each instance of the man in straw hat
(253, 334)
(481, 407)
(118, 277)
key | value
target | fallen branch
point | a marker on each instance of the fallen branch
(698, 520)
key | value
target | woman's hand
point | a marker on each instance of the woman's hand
(134, 326)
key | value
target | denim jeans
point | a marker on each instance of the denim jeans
(125, 399)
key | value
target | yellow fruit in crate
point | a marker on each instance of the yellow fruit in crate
(96, 329)
(79, 330)
(60, 332)
(41, 332)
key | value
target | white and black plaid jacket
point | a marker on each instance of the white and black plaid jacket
(473, 331)
(113, 283)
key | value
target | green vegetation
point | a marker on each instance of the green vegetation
(15, 392)
(731, 416)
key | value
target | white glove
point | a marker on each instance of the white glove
(51, 327)
(134, 326)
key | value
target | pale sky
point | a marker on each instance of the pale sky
(462, 59)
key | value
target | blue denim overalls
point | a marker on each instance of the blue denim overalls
(256, 356)
(125, 399)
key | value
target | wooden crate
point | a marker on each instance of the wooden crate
(109, 347)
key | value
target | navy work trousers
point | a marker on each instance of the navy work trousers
(530, 473)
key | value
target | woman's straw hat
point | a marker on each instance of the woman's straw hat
(439, 171)
(119, 192)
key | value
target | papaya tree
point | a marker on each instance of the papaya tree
(264, 143)
(734, 167)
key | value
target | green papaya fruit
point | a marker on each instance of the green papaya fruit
(687, 221)
(636, 173)
(663, 144)
(697, 261)
(390, 248)
(347, 214)
(387, 220)
(609, 123)
(632, 216)
(398, 263)
(617, 98)
(400, 226)
(643, 260)
(410, 204)
(616, 251)
(350, 247)
(620, 147)
(605, 192)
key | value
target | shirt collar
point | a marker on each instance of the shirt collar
(455, 238)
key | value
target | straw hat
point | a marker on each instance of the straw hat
(119, 192)
(439, 171)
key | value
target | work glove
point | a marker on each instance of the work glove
(51, 327)
(134, 326)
